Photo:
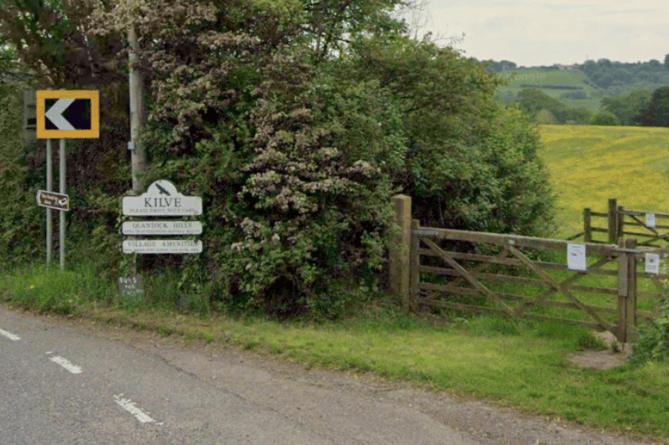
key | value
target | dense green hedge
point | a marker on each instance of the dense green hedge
(20, 223)
(296, 125)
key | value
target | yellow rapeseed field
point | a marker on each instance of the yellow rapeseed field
(590, 164)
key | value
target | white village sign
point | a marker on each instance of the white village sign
(165, 227)
(162, 199)
(158, 246)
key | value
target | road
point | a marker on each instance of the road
(73, 382)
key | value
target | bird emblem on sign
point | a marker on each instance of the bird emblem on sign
(162, 189)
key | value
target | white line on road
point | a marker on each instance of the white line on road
(129, 406)
(74, 369)
(9, 335)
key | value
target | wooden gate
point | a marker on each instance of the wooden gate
(509, 275)
(622, 222)
(634, 223)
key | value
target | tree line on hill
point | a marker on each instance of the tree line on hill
(617, 78)
(645, 103)
(294, 121)
(639, 108)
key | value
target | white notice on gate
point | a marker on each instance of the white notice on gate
(650, 220)
(576, 257)
(653, 263)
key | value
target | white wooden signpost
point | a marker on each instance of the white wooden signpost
(161, 199)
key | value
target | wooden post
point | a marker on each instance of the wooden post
(631, 294)
(621, 222)
(415, 262)
(587, 233)
(623, 292)
(400, 250)
(613, 219)
(626, 292)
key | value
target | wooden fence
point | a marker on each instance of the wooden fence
(621, 222)
(492, 273)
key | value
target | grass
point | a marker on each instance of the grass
(518, 364)
(590, 164)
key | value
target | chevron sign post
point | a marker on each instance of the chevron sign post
(63, 115)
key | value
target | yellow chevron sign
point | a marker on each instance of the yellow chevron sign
(68, 114)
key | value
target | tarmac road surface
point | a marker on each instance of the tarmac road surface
(61, 385)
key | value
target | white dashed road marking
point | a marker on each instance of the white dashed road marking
(74, 369)
(129, 406)
(9, 335)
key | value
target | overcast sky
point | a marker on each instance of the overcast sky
(536, 32)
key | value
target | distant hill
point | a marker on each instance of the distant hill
(563, 85)
(581, 85)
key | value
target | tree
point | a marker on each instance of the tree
(604, 117)
(532, 100)
(627, 108)
(456, 133)
(657, 112)
(577, 115)
(546, 117)
(666, 61)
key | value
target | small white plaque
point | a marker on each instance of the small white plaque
(650, 220)
(576, 256)
(159, 246)
(161, 227)
(652, 263)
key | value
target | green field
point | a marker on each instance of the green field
(590, 164)
(552, 78)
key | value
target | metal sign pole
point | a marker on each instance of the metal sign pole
(62, 212)
(49, 222)
(65, 114)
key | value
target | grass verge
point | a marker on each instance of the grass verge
(517, 364)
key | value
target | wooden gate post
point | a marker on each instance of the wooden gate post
(623, 292)
(587, 233)
(631, 294)
(613, 220)
(626, 291)
(621, 222)
(400, 250)
(414, 285)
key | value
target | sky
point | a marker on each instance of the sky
(536, 32)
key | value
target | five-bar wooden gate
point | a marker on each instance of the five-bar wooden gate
(505, 274)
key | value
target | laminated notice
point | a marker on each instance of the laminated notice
(652, 263)
(576, 257)
(650, 220)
